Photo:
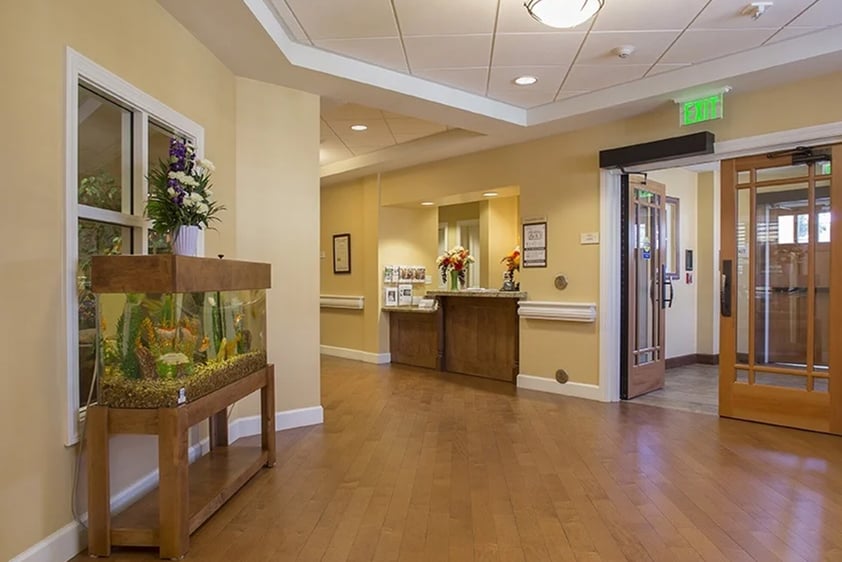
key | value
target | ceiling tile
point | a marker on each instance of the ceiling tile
(523, 98)
(469, 79)
(662, 67)
(333, 152)
(823, 13)
(648, 46)
(377, 133)
(348, 19)
(698, 46)
(549, 78)
(411, 126)
(369, 149)
(724, 14)
(448, 51)
(595, 77)
(565, 94)
(637, 15)
(540, 49)
(445, 17)
(351, 112)
(382, 51)
(409, 137)
(791, 32)
(292, 25)
(514, 18)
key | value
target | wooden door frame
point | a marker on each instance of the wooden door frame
(815, 411)
(608, 389)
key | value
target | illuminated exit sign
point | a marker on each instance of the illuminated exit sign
(703, 109)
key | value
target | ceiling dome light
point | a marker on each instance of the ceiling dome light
(490, 194)
(427, 203)
(359, 128)
(525, 80)
(563, 13)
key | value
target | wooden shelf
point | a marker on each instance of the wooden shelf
(167, 273)
(187, 494)
(213, 480)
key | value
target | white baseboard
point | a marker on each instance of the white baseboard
(72, 539)
(357, 355)
(573, 389)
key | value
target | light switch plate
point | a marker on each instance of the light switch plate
(589, 238)
(322, 255)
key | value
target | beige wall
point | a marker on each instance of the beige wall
(502, 236)
(352, 208)
(138, 41)
(707, 264)
(681, 317)
(278, 223)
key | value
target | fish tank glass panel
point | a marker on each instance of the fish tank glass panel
(163, 350)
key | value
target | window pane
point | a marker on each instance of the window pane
(821, 352)
(104, 144)
(159, 151)
(94, 239)
(786, 229)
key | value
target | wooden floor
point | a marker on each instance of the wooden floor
(414, 465)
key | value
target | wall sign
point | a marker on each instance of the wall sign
(342, 253)
(535, 245)
(703, 109)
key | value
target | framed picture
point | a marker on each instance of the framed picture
(342, 253)
(404, 294)
(391, 296)
(534, 245)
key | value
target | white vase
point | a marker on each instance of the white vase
(186, 241)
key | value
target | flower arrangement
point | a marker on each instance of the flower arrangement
(512, 262)
(180, 191)
(454, 262)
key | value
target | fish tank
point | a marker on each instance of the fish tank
(163, 348)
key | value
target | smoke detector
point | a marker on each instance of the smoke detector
(624, 51)
(757, 9)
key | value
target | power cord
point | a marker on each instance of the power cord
(74, 508)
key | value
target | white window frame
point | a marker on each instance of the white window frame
(83, 71)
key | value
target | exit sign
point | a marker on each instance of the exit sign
(703, 109)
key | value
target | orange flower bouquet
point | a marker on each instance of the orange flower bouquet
(512, 262)
(455, 263)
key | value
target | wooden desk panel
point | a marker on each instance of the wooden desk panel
(415, 338)
(481, 336)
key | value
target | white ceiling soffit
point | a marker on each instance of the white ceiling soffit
(433, 51)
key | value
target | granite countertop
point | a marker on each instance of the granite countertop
(413, 309)
(485, 293)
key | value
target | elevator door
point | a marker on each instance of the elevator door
(781, 275)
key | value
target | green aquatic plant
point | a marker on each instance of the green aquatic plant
(128, 332)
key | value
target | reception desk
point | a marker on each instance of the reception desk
(472, 333)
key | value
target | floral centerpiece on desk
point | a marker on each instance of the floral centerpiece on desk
(512, 263)
(455, 264)
(181, 197)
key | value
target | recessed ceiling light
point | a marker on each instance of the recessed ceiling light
(563, 14)
(427, 203)
(359, 127)
(490, 194)
(525, 80)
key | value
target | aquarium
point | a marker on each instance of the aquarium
(160, 349)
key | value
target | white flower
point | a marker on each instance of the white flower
(203, 209)
(207, 165)
(196, 196)
(188, 202)
(173, 175)
(170, 192)
(189, 181)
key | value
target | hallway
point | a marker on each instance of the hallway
(411, 465)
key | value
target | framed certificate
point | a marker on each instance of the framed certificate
(342, 253)
(534, 245)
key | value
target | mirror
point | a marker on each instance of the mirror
(673, 261)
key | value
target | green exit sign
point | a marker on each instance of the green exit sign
(701, 110)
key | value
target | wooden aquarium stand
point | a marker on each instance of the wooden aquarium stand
(187, 494)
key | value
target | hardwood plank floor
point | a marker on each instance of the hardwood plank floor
(413, 465)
